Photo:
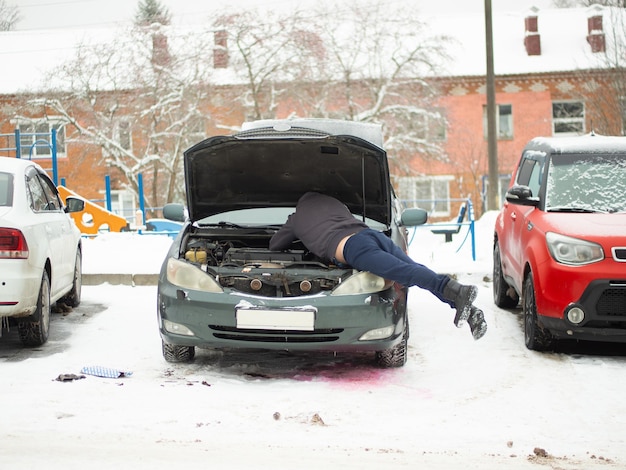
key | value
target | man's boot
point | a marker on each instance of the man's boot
(462, 297)
(477, 322)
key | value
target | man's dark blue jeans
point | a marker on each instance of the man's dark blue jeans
(373, 251)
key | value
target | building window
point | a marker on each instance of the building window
(123, 204)
(504, 121)
(36, 138)
(122, 134)
(431, 126)
(430, 193)
(568, 118)
(194, 131)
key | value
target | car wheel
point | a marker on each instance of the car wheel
(72, 299)
(176, 353)
(396, 356)
(536, 337)
(504, 296)
(33, 330)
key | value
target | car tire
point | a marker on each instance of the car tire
(176, 353)
(396, 356)
(502, 291)
(33, 330)
(536, 337)
(72, 299)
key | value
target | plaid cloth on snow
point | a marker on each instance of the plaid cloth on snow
(107, 372)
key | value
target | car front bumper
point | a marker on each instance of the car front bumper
(604, 305)
(209, 320)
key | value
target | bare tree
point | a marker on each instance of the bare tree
(264, 54)
(604, 88)
(140, 103)
(9, 16)
(364, 62)
(588, 3)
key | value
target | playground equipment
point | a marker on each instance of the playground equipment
(94, 218)
(91, 220)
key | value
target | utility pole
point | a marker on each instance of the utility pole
(492, 141)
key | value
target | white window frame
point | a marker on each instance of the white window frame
(37, 145)
(428, 192)
(504, 121)
(561, 120)
(123, 204)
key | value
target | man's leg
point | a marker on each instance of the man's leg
(373, 251)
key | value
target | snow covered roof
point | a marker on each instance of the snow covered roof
(26, 56)
(562, 32)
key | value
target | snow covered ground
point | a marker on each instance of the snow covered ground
(458, 403)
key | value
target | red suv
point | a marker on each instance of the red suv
(560, 241)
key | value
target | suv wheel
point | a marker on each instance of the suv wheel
(501, 288)
(176, 353)
(536, 337)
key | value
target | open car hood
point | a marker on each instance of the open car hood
(272, 166)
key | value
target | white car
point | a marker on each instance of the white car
(40, 250)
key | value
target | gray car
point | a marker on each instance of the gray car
(221, 287)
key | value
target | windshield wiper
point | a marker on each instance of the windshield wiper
(583, 210)
(223, 224)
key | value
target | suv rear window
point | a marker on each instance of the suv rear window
(6, 189)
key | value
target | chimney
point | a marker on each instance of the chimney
(532, 40)
(220, 50)
(595, 36)
(160, 50)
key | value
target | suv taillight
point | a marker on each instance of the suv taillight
(12, 244)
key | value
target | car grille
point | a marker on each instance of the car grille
(619, 254)
(612, 302)
(274, 336)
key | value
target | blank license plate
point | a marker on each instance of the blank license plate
(261, 319)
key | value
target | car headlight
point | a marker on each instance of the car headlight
(187, 276)
(360, 283)
(573, 251)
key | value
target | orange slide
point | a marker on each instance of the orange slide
(94, 218)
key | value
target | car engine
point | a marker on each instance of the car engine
(253, 269)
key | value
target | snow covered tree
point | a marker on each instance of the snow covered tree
(140, 102)
(150, 12)
(604, 88)
(376, 68)
(365, 62)
(9, 16)
(264, 54)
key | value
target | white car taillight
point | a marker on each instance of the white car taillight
(12, 244)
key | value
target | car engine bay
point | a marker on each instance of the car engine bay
(250, 267)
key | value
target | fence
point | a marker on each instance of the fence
(454, 226)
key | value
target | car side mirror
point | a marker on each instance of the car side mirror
(522, 195)
(74, 204)
(175, 212)
(413, 216)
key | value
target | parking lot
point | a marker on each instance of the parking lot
(457, 402)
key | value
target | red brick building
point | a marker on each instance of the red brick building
(553, 77)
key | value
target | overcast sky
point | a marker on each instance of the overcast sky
(52, 14)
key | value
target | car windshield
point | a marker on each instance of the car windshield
(6, 189)
(587, 183)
